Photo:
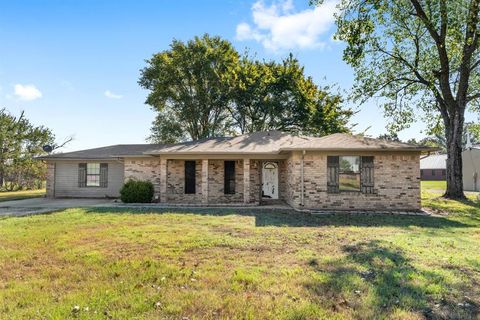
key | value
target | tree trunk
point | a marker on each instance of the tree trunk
(454, 133)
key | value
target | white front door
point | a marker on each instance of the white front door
(270, 180)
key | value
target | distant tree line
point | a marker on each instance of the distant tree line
(436, 139)
(204, 88)
(20, 143)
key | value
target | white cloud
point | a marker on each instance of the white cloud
(27, 92)
(111, 95)
(279, 26)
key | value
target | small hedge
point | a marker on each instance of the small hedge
(134, 191)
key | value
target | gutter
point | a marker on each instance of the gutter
(78, 159)
(424, 150)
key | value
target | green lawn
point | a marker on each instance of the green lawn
(19, 195)
(434, 185)
(120, 264)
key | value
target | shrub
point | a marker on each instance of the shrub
(137, 191)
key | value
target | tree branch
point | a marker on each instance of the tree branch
(444, 74)
(63, 144)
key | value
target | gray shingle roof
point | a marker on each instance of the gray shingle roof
(276, 142)
(115, 151)
(345, 141)
(258, 142)
(266, 142)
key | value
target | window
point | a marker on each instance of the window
(93, 174)
(433, 172)
(349, 173)
(229, 174)
(189, 177)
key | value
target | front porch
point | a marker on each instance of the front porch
(217, 182)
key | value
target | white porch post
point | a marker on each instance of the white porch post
(163, 179)
(246, 180)
(205, 181)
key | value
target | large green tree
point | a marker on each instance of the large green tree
(190, 88)
(420, 57)
(20, 143)
(203, 88)
(271, 95)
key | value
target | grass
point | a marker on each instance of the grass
(19, 195)
(123, 264)
(434, 185)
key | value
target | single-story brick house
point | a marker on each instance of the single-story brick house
(338, 171)
(433, 167)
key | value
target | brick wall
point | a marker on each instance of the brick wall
(176, 182)
(143, 169)
(50, 179)
(255, 181)
(396, 177)
(175, 192)
(216, 175)
(292, 181)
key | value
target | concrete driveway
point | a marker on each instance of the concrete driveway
(45, 205)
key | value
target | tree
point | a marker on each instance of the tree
(203, 88)
(328, 115)
(417, 56)
(270, 95)
(166, 128)
(190, 87)
(436, 138)
(20, 143)
(389, 136)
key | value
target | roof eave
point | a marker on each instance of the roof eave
(207, 152)
(78, 158)
(362, 149)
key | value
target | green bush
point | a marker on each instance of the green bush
(134, 191)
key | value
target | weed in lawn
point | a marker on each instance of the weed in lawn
(122, 263)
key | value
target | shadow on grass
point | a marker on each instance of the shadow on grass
(290, 218)
(376, 280)
(467, 208)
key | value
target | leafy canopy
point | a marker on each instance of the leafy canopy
(20, 143)
(204, 88)
(421, 59)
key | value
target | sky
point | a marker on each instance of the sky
(73, 66)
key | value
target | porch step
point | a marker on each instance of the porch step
(270, 202)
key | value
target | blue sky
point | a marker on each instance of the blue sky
(73, 66)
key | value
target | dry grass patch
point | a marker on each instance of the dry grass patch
(22, 194)
(106, 263)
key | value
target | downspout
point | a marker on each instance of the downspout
(302, 183)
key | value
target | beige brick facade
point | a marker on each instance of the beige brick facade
(396, 181)
(143, 169)
(396, 178)
(176, 183)
(50, 179)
